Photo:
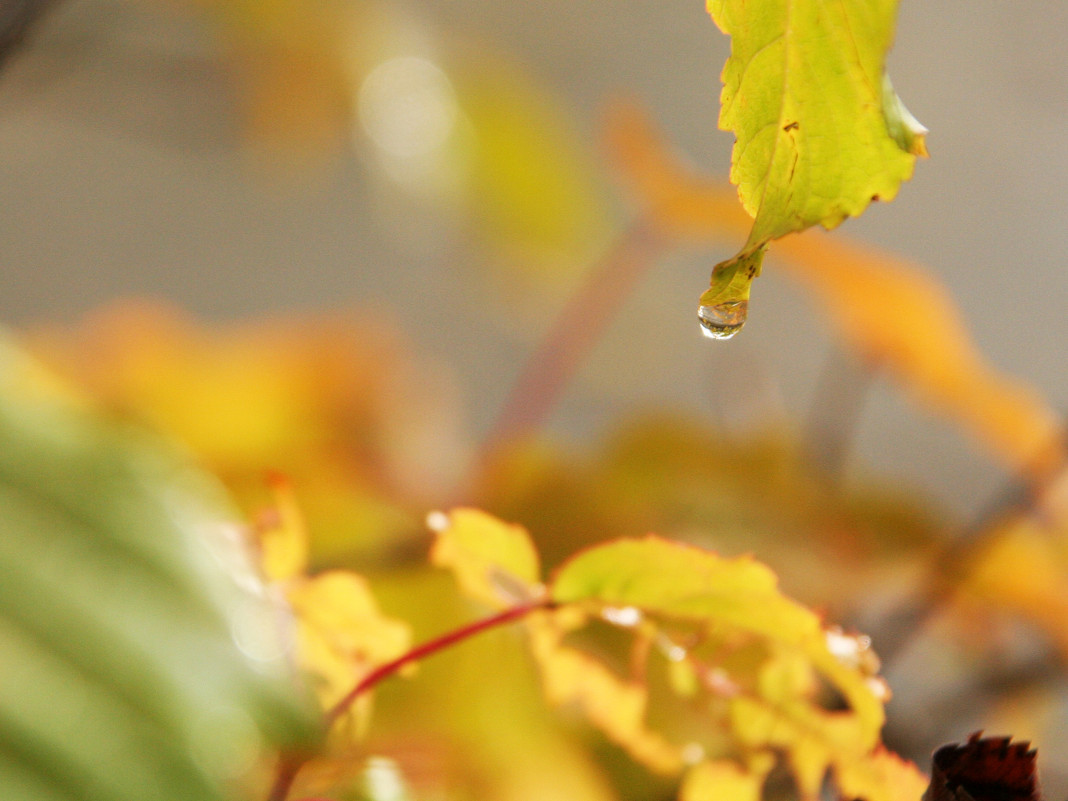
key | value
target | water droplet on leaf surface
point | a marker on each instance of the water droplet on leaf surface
(723, 320)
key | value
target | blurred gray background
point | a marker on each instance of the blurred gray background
(123, 174)
(126, 171)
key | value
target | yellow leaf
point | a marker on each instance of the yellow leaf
(342, 633)
(283, 535)
(1024, 570)
(737, 600)
(725, 780)
(804, 94)
(882, 776)
(682, 581)
(889, 311)
(494, 562)
(819, 132)
(615, 706)
(533, 190)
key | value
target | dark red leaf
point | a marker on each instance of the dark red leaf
(984, 769)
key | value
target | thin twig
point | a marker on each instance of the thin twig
(835, 411)
(950, 564)
(290, 765)
(574, 333)
(17, 18)
(427, 649)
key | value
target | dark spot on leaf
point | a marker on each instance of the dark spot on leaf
(791, 126)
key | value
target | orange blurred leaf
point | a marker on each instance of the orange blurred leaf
(365, 431)
(889, 311)
(1024, 570)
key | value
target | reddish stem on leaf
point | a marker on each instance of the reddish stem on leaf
(291, 765)
(427, 649)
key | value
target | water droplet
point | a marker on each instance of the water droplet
(692, 753)
(622, 615)
(723, 320)
(437, 521)
(676, 653)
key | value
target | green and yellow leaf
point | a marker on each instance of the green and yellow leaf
(819, 131)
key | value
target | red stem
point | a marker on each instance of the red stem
(574, 333)
(427, 649)
(290, 765)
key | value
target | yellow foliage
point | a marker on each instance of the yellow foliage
(493, 562)
(364, 431)
(615, 706)
(726, 780)
(731, 612)
(341, 633)
(881, 776)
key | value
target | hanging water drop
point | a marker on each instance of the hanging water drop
(723, 320)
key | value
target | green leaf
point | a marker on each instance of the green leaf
(783, 655)
(681, 581)
(819, 132)
(140, 657)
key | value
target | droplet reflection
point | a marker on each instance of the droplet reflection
(723, 320)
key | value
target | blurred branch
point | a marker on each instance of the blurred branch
(578, 328)
(835, 412)
(965, 697)
(290, 765)
(949, 566)
(17, 17)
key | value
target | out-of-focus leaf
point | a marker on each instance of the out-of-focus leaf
(141, 659)
(341, 634)
(891, 312)
(1024, 570)
(533, 190)
(495, 563)
(287, 60)
(819, 132)
(366, 434)
(882, 776)
(341, 631)
(899, 318)
(726, 780)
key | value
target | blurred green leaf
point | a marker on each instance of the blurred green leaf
(140, 657)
